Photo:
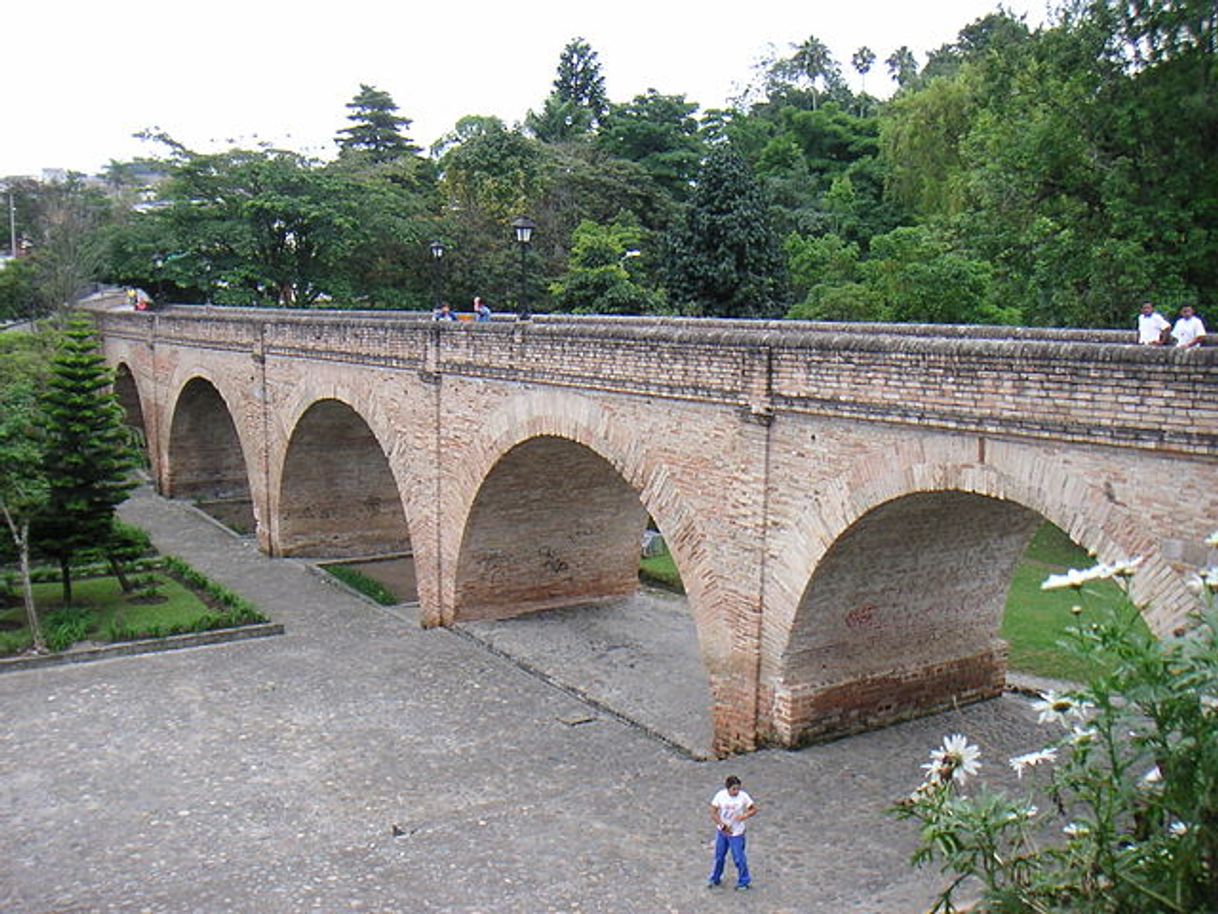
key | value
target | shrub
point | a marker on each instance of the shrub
(1132, 781)
(67, 625)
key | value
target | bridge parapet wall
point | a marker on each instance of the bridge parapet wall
(1082, 386)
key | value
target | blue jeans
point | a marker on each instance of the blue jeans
(736, 843)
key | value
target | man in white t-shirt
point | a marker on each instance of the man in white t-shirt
(1151, 325)
(729, 809)
(1189, 331)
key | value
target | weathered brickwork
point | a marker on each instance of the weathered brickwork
(845, 503)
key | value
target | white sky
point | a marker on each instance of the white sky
(82, 76)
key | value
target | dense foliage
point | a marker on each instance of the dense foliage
(1056, 175)
(1121, 811)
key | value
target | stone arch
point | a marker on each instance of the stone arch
(206, 456)
(338, 496)
(902, 604)
(621, 474)
(127, 392)
(566, 417)
(378, 409)
(553, 524)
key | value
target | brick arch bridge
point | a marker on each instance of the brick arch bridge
(845, 503)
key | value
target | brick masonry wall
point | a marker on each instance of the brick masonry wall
(553, 525)
(766, 452)
(338, 496)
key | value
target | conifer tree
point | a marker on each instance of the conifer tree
(725, 261)
(88, 456)
(376, 130)
(579, 81)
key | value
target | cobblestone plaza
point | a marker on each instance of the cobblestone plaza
(271, 775)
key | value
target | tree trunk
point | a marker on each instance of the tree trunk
(21, 538)
(65, 574)
(116, 567)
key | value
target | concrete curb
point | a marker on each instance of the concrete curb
(145, 646)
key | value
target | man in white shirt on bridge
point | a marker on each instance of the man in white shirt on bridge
(1151, 325)
(1189, 331)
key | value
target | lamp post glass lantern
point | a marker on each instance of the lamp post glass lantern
(523, 227)
(437, 256)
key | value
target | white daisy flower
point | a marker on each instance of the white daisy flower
(1212, 539)
(955, 761)
(1076, 830)
(1076, 578)
(1057, 708)
(1030, 759)
(1178, 828)
(1152, 777)
(1082, 736)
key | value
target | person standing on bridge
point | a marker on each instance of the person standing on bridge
(1189, 331)
(1151, 325)
(443, 313)
(481, 311)
(729, 809)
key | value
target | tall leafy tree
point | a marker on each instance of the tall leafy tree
(377, 131)
(270, 227)
(559, 121)
(814, 61)
(902, 66)
(87, 458)
(725, 260)
(660, 133)
(862, 61)
(23, 490)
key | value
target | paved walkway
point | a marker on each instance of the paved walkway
(267, 776)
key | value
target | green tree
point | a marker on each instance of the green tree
(918, 277)
(922, 134)
(377, 131)
(559, 121)
(67, 253)
(270, 227)
(87, 456)
(602, 278)
(23, 489)
(18, 290)
(814, 61)
(724, 260)
(824, 277)
(902, 66)
(862, 61)
(579, 81)
(660, 133)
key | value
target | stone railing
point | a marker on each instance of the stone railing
(1078, 385)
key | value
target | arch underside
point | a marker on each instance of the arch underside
(553, 524)
(206, 462)
(901, 616)
(338, 496)
(128, 396)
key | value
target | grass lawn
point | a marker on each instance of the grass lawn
(1035, 620)
(100, 611)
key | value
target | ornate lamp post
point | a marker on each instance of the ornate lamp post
(523, 227)
(437, 256)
